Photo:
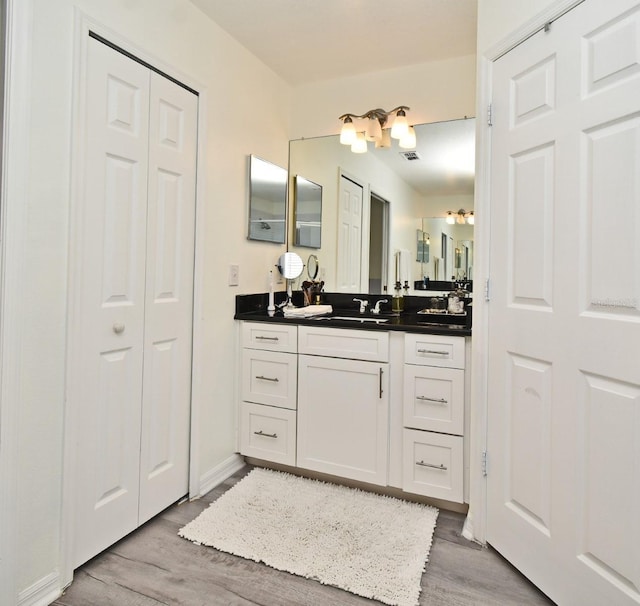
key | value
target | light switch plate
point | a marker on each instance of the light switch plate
(234, 275)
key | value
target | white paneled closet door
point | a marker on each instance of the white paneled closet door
(564, 344)
(136, 284)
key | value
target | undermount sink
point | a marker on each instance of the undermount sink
(354, 319)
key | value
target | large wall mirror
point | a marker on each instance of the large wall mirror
(267, 201)
(402, 194)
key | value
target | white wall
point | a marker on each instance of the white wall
(174, 34)
(499, 18)
(435, 91)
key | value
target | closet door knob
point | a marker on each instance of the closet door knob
(118, 328)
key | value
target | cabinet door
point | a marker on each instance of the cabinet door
(343, 417)
(434, 398)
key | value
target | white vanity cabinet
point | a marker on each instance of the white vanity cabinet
(343, 402)
(433, 416)
(269, 392)
(383, 407)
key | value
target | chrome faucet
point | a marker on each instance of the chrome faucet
(363, 304)
(376, 309)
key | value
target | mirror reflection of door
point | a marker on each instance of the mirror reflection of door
(378, 245)
(349, 235)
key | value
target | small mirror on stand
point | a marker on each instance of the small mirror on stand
(290, 265)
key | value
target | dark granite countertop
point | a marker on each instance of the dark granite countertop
(253, 308)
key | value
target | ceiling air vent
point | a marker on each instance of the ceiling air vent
(410, 155)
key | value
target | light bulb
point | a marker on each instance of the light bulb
(409, 140)
(359, 146)
(400, 125)
(348, 132)
(374, 130)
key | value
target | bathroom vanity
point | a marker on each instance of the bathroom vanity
(381, 400)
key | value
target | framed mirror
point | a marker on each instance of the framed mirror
(267, 201)
(307, 213)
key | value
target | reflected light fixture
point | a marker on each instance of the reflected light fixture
(376, 130)
(462, 216)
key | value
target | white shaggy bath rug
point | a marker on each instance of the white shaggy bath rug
(370, 545)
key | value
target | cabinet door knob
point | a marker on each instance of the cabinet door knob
(118, 328)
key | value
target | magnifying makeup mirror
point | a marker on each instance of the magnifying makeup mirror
(290, 265)
(312, 267)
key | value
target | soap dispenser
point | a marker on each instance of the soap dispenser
(397, 301)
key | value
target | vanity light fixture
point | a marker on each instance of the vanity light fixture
(461, 217)
(376, 131)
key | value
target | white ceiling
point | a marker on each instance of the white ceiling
(310, 40)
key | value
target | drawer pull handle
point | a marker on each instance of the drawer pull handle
(423, 464)
(274, 380)
(266, 435)
(434, 351)
(262, 338)
(436, 400)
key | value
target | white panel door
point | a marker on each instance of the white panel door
(112, 306)
(136, 280)
(564, 343)
(166, 404)
(349, 236)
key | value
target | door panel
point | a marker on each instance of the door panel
(136, 305)
(166, 405)
(349, 236)
(112, 305)
(564, 345)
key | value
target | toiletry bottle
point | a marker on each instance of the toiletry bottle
(397, 301)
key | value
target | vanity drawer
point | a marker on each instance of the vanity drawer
(367, 345)
(433, 465)
(268, 433)
(434, 350)
(434, 398)
(274, 337)
(269, 377)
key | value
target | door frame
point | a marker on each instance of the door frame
(83, 25)
(385, 239)
(475, 526)
(14, 180)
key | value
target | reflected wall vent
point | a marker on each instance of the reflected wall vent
(410, 155)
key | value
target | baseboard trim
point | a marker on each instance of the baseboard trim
(218, 474)
(42, 592)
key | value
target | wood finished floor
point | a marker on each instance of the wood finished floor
(153, 566)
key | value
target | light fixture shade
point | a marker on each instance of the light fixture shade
(409, 140)
(471, 218)
(450, 218)
(400, 125)
(385, 140)
(359, 146)
(348, 132)
(374, 130)
(460, 219)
